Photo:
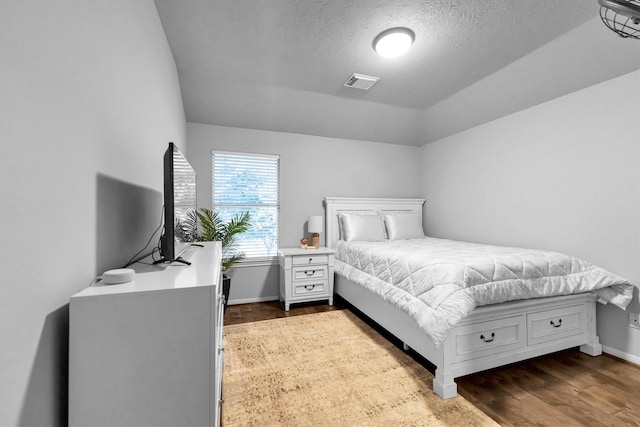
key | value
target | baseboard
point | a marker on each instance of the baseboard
(250, 300)
(622, 355)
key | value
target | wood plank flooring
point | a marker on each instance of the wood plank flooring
(566, 389)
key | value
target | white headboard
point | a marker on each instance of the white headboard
(337, 205)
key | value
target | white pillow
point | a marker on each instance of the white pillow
(402, 226)
(366, 227)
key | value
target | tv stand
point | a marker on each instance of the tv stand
(149, 352)
(179, 259)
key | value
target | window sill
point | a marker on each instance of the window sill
(256, 262)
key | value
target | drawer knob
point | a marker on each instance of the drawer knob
(310, 273)
(488, 339)
(309, 287)
(556, 325)
(310, 260)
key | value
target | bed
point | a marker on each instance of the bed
(478, 338)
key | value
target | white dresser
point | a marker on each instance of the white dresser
(149, 352)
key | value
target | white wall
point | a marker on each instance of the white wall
(311, 168)
(89, 98)
(563, 176)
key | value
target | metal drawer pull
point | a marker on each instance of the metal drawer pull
(485, 339)
(309, 287)
(556, 325)
(310, 273)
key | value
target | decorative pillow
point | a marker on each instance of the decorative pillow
(402, 226)
(366, 227)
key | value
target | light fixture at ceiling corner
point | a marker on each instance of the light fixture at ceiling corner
(621, 16)
(393, 42)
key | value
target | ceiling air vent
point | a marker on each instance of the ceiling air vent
(360, 81)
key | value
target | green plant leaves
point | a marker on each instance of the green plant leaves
(212, 228)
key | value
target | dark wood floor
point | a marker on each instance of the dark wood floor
(567, 388)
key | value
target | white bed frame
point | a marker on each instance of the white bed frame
(491, 336)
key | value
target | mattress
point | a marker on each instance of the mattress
(439, 282)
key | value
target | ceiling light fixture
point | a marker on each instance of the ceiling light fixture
(393, 42)
(621, 16)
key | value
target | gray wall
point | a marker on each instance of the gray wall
(562, 176)
(311, 167)
(89, 100)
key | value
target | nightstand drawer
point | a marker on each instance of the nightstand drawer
(309, 273)
(310, 288)
(310, 260)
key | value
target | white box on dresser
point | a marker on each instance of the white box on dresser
(149, 352)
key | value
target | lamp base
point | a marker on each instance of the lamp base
(315, 240)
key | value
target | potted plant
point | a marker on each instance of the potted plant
(213, 228)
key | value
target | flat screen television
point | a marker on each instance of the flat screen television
(180, 230)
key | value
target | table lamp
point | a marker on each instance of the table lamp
(314, 226)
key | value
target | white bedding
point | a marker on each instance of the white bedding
(438, 282)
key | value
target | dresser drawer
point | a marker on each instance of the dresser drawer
(487, 338)
(550, 325)
(310, 260)
(309, 273)
(305, 289)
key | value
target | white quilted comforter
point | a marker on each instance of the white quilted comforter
(438, 282)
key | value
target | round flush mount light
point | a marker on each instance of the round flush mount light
(393, 42)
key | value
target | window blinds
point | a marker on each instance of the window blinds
(249, 182)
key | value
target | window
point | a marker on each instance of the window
(249, 182)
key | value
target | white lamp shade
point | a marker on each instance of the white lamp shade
(315, 224)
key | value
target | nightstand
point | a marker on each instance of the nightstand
(305, 275)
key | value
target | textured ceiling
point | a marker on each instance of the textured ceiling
(239, 52)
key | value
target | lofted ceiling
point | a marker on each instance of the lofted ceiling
(280, 64)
